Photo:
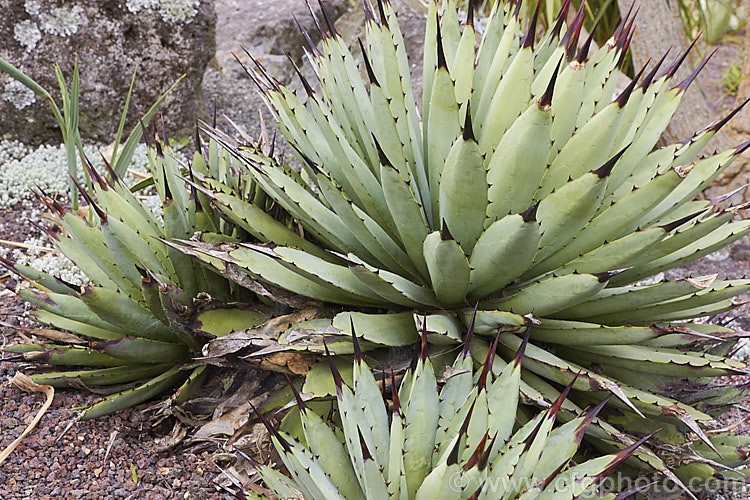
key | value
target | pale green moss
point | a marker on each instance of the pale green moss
(45, 167)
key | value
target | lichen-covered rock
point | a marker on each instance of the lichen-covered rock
(164, 38)
(267, 30)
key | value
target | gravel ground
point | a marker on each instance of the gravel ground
(111, 457)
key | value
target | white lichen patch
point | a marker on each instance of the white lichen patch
(32, 7)
(62, 21)
(178, 11)
(18, 94)
(171, 11)
(135, 6)
(27, 33)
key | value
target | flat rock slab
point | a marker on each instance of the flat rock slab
(163, 38)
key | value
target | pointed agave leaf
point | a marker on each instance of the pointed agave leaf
(550, 295)
(407, 215)
(443, 127)
(504, 250)
(449, 269)
(132, 397)
(516, 168)
(420, 423)
(463, 190)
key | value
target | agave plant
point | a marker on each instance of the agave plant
(526, 185)
(147, 308)
(459, 441)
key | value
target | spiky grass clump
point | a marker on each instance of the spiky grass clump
(146, 308)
